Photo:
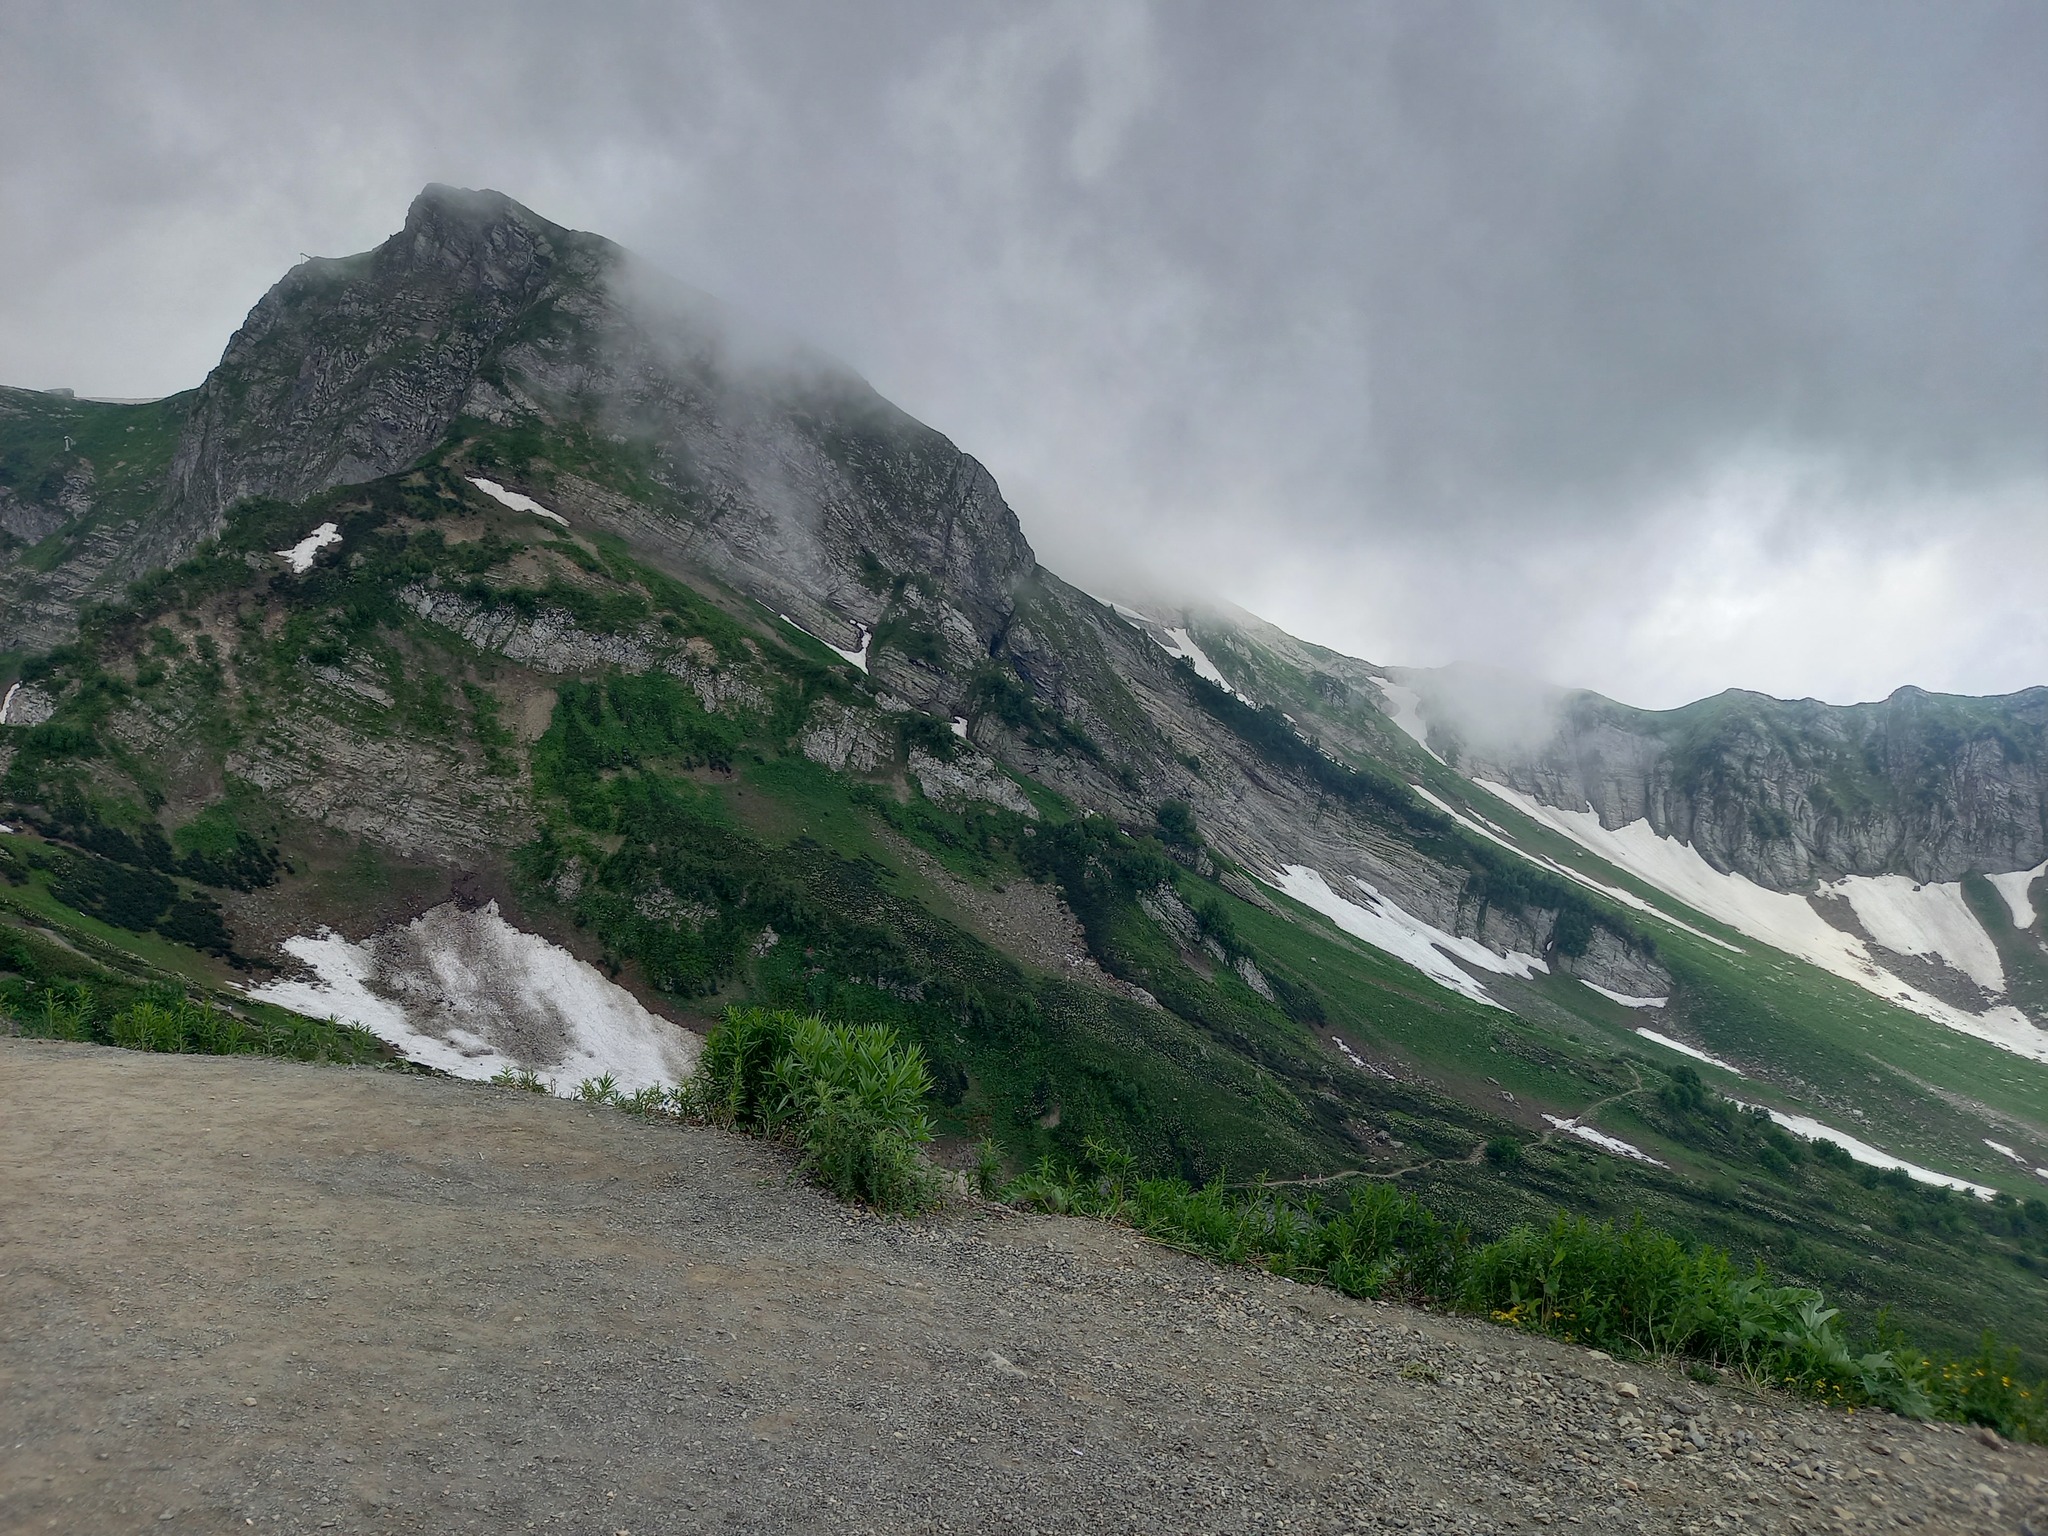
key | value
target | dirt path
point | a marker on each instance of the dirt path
(1583, 1117)
(243, 1294)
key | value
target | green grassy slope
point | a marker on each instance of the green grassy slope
(704, 857)
(122, 452)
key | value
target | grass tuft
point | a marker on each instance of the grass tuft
(851, 1097)
(1629, 1290)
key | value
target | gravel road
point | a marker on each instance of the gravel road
(251, 1294)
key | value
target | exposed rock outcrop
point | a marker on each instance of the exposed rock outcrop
(774, 467)
(1787, 793)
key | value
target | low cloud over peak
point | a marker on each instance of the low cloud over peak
(1654, 349)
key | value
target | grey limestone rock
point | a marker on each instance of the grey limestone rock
(968, 777)
(1790, 793)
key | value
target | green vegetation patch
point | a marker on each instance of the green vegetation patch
(1628, 1289)
(851, 1098)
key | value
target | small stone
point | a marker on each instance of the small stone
(1627, 1389)
(248, 1402)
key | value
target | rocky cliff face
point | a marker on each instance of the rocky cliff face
(1920, 784)
(81, 483)
(351, 368)
(701, 440)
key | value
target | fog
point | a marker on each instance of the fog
(1649, 348)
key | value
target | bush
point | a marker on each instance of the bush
(851, 1097)
(1177, 825)
(1629, 1290)
(161, 1018)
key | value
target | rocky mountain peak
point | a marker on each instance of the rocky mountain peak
(352, 368)
(700, 440)
(479, 238)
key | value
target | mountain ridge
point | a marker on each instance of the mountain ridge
(734, 682)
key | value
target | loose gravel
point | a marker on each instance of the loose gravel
(245, 1294)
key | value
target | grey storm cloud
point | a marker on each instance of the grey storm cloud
(1657, 347)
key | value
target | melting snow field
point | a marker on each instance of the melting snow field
(1789, 922)
(300, 556)
(1603, 1141)
(1386, 927)
(1931, 920)
(2013, 888)
(1628, 899)
(1622, 997)
(1359, 1061)
(518, 501)
(1864, 1152)
(472, 995)
(2004, 1151)
(1485, 829)
(1407, 715)
(1179, 643)
(1693, 1051)
(8, 703)
(858, 658)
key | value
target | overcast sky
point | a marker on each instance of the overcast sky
(1653, 347)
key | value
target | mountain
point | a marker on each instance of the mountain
(518, 654)
(1787, 793)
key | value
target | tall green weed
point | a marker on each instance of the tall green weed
(1629, 1290)
(161, 1018)
(850, 1097)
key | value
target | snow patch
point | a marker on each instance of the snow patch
(1359, 1061)
(1777, 918)
(1693, 1051)
(1485, 829)
(1603, 1141)
(1131, 615)
(1407, 716)
(1863, 1152)
(2004, 1151)
(1930, 920)
(472, 995)
(7, 703)
(518, 501)
(1629, 899)
(857, 658)
(1181, 645)
(300, 556)
(2013, 887)
(1385, 926)
(1623, 998)
(959, 725)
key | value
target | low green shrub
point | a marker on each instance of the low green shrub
(175, 1025)
(160, 1017)
(1630, 1290)
(850, 1097)
(523, 1078)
